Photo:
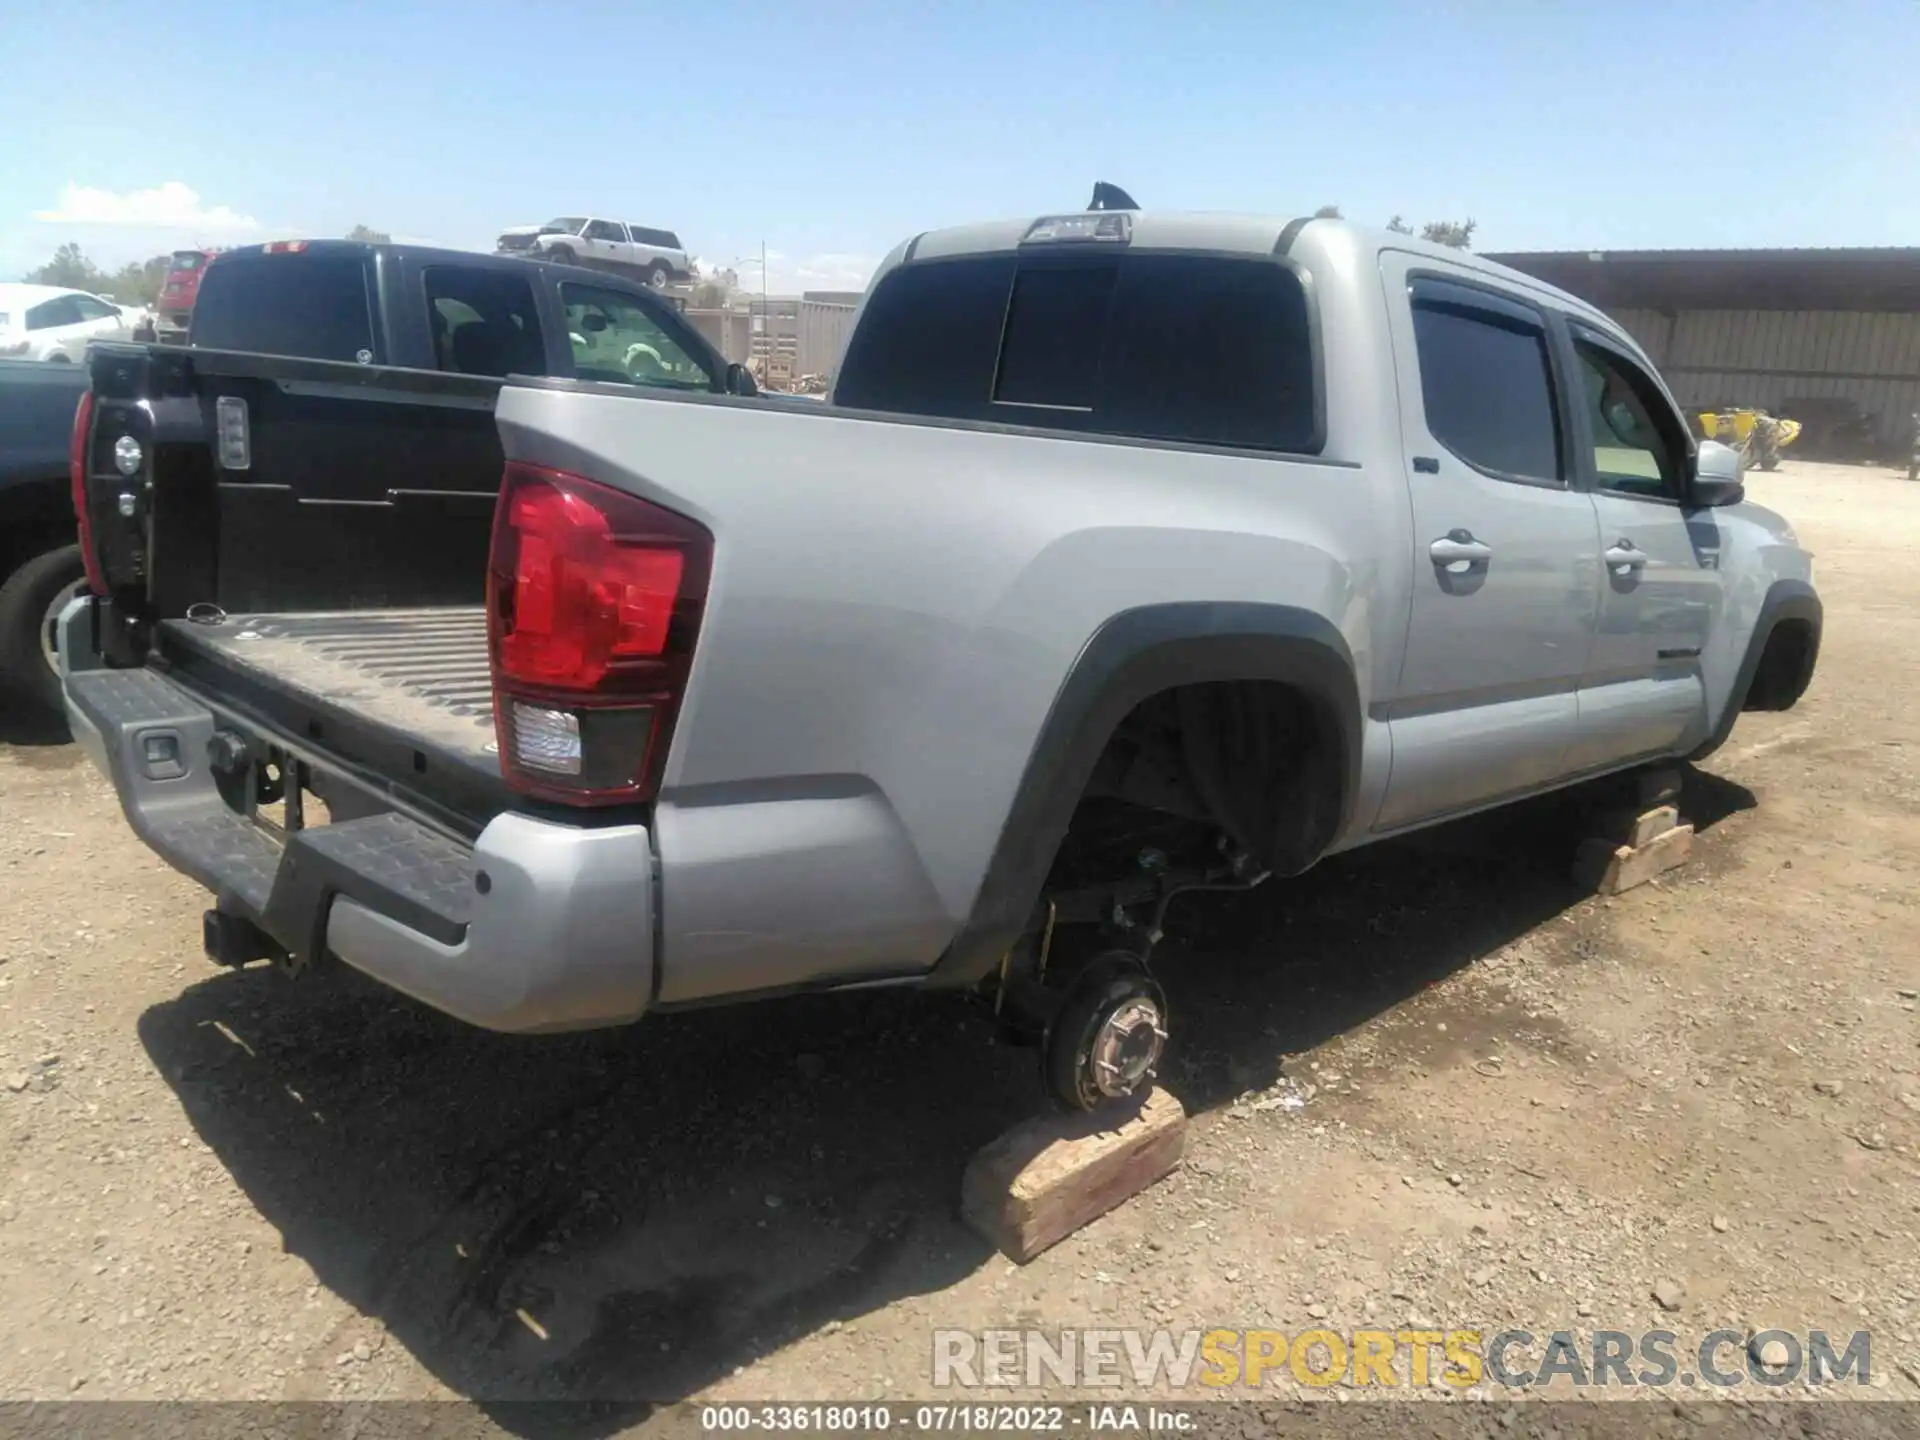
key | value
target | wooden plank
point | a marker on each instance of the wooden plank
(1637, 827)
(1610, 869)
(1049, 1176)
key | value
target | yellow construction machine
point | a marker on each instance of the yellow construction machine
(1758, 436)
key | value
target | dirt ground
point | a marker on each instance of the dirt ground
(1431, 1082)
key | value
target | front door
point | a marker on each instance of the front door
(605, 239)
(1642, 694)
(1506, 550)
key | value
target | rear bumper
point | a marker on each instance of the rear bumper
(534, 927)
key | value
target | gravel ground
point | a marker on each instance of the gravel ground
(1431, 1082)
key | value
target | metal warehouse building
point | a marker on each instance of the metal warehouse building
(1829, 337)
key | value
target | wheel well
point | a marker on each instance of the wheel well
(1260, 761)
(1785, 667)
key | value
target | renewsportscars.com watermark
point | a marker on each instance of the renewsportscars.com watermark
(1228, 1361)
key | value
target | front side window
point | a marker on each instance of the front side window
(1635, 450)
(92, 309)
(1486, 384)
(614, 338)
(483, 322)
(605, 230)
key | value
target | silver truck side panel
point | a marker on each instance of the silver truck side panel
(897, 605)
(1442, 759)
(1635, 719)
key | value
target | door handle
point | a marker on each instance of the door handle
(1459, 546)
(1624, 555)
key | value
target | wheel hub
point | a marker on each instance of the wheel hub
(1127, 1047)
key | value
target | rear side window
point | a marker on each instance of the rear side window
(483, 322)
(1192, 348)
(665, 239)
(52, 314)
(314, 306)
(1487, 387)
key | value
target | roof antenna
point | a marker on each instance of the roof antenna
(1110, 197)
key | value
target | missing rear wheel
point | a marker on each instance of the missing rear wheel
(1106, 1039)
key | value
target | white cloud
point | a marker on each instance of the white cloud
(834, 271)
(169, 206)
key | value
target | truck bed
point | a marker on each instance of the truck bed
(403, 695)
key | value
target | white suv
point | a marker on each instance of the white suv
(572, 239)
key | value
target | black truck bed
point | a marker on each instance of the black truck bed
(403, 696)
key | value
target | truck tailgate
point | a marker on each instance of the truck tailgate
(404, 696)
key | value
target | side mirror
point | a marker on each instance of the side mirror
(740, 381)
(593, 322)
(1716, 476)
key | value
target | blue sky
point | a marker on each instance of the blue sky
(831, 130)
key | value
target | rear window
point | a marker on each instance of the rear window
(314, 306)
(1178, 347)
(187, 260)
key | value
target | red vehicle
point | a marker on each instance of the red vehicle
(175, 306)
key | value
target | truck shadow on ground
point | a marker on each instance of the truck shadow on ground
(626, 1217)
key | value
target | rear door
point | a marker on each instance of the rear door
(1643, 693)
(1506, 548)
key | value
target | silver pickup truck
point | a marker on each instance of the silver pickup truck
(1135, 554)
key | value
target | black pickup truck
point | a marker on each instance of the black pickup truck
(389, 308)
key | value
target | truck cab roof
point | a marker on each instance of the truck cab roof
(1219, 233)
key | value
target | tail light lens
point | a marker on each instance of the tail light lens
(77, 477)
(594, 599)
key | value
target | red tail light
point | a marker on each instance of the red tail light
(594, 599)
(77, 477)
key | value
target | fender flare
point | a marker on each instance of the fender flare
(1137, 654)
(1785, 600)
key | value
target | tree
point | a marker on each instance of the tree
(710, 295)
(139, 282)
(135, 283)
(369, 236)
(1455, 233)
(69, 269)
